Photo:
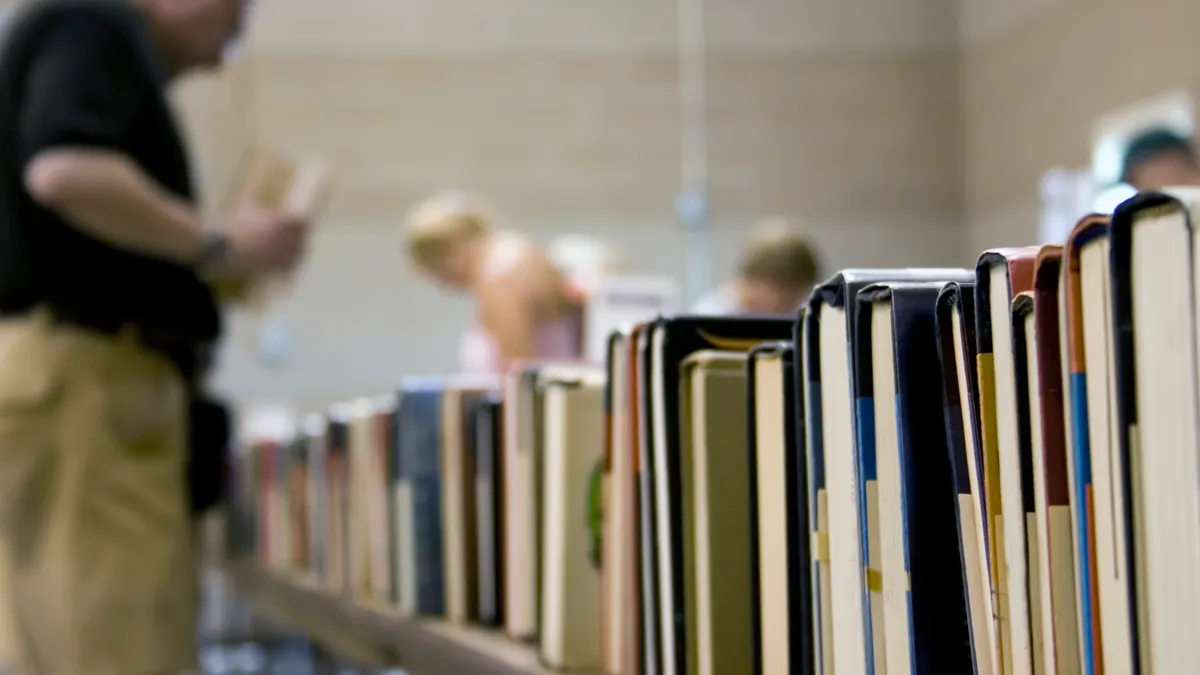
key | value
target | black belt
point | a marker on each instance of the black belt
(183, 350)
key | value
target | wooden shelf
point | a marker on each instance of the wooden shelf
(377, 636)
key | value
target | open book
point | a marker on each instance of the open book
(272, 181)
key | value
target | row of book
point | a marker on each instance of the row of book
(992, 470)
(470, 499)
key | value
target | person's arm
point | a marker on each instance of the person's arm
(81, 96)
(507, 314)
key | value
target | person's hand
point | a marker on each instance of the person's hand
(262, 241)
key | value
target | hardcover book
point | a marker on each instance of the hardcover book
(956, 351)
(1039, 327)
(778, 548)
(836, 492)
(1154, 286)
(573, 418)
(1093, 461)
(419, 499)
(715, 492)
(673, 339)
(923, 618)
(270, 180)
(1000, 274)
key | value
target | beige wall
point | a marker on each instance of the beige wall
(1038, 74)
(905, 131)
(566, 114)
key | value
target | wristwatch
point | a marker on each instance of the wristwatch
(214, 250)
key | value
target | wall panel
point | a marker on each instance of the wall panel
(586, 134)
(616, 26)
(842, 113)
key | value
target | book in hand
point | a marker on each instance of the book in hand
(269, 180)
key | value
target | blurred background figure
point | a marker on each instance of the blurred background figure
(585, 260)
(525, 307)
(778, 269)
(1160, 158)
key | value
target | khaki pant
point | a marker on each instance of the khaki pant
(100, 576)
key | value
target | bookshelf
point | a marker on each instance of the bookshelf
(377, 636)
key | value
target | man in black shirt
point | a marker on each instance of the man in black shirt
(105, 303)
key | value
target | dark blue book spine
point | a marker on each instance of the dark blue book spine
(420, 464)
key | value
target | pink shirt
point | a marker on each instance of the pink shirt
(556, 341)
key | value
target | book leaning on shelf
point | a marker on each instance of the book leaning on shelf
(269, 180)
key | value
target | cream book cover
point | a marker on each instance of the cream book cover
(716, 499)
(773, 499)
(521, 430)
(573, 413)
(359, 495)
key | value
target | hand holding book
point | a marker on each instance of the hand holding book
(262, 242)
(271, 208)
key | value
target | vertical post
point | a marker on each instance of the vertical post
(691, 206)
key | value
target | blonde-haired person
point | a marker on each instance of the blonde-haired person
(777, 271)
(524, 307)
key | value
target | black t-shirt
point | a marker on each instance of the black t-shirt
(83, 73)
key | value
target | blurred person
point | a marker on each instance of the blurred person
(777, 271)
(106, 309)
(210, 440)
(525, 307)
(1160, 158)
(584, 260)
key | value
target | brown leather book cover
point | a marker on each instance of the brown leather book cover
(298, 502)
(1087, 229)
(1047, 272)
(381, 532)
(1045, 316)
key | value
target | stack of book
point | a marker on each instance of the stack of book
(990, 470)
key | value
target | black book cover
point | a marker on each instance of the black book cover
(681, 336)
(1121, 270)
(841, 291)
(483, 443)
(937, 599)
(648, 623)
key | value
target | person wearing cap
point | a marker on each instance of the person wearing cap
(777, 271)
(525, 307)
(1160, 158)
